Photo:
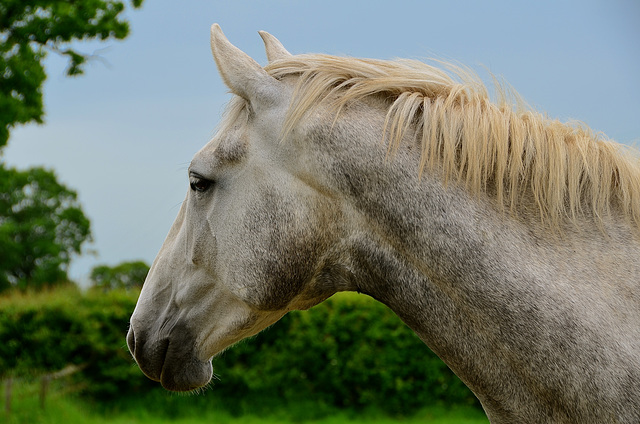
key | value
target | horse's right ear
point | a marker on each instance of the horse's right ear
(274, 48)
(243, 75)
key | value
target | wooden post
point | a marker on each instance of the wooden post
(44, 386)
(7, 396)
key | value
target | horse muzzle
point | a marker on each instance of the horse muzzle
(169, 359)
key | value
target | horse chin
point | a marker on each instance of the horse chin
(185, 376)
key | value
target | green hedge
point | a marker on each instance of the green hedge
(348, 352)
(47, 331)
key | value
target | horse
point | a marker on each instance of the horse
(507, 241)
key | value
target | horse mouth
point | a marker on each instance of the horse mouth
(170, 361)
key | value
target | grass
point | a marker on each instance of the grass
(69, 409)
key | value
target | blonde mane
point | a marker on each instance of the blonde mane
(502, 147)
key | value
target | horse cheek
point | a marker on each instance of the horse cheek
(287, 246)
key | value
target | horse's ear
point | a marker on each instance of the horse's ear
(273, 46)
(243, 75)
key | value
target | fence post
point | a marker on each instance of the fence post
(7, 396)
(44, 386)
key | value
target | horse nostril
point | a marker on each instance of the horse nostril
(131, 341)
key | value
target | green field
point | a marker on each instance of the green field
(74, 412)
(60, 408)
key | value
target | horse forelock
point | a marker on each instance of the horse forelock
(566, 168)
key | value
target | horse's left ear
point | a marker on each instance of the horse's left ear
(273, 46)
(243, 75)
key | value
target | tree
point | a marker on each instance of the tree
(41, 226)
(31, 28)
(126, 275)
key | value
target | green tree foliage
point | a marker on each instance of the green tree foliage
(31, 28)
(41, 226)
(127, 275)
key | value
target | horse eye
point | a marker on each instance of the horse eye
(200, 184)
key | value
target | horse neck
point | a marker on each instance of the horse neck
(485, 292)
(432, 253)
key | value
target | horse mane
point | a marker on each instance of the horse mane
(504, 146)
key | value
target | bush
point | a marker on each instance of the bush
(44, 332)
(37, 336)
(348, 352)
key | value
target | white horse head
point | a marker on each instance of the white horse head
(251, 239)
(508, 242)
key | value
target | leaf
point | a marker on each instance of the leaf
(29, 28)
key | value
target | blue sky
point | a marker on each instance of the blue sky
(123, 134)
